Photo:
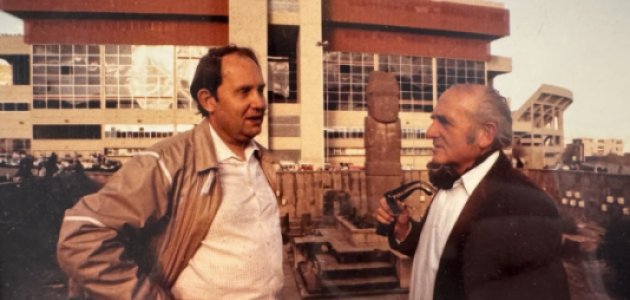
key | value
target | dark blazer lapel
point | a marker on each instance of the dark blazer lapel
(479, 196)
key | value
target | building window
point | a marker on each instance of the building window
(187, 60)
(412, 151)
(9, 146)
(124, 131)
(66, 132)
(345, 152)
(139, 77)
(415, 78)
(122, 151)
(10, 106)
(345, 79)
(414, 133)
(66, 76)
(344, 133)
(456, 71)
(282, 81)
(19, 66)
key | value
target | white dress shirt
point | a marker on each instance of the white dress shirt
(445, 210)
(241, 256)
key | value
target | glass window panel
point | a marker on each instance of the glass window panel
(66, 90)
(94, 60)
(94, 49)
(94, 80)
(51, 70)
(8, 106)
(65, 70)
(66, 104)
(53, 103)
(39, 60)
(94, 104)
(39, 90)
(80, 90)
(82, 80)
(52, 49)
(94, 90)
(110, 80)
(125, 49)
(53, 90)
(39, 104)
(39, 49)
(111, 49)
(66, 60)
(111, 103)
(111, 60)
(125, 103)
(22, 106)
(124, 60)
(39, 80)
(80, 60)
(67, 80)
(80, 49)
(52, 60)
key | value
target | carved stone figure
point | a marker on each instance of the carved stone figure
(383, 169)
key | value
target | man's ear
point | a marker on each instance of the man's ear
(206, 100)
(487, 133)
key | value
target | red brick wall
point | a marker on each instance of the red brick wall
(356, 40)
(185, 7)
(421, 14)
(130, 32)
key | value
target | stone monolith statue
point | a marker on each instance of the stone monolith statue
(383, 169)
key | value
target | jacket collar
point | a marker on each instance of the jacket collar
(205, 153)
(486, 187)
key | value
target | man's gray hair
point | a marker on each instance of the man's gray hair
(493, 108)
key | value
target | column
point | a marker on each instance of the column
(311, 82)
(248, 28)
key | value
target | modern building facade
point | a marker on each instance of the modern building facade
(538, 126)
(598, 147)
(113, 78)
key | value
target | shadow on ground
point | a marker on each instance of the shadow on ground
(31, 215)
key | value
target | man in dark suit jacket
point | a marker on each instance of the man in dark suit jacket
(489, 233)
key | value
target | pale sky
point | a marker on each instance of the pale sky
(580, 45)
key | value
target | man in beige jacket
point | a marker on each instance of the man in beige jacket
(195, 216)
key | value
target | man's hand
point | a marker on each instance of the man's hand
(384, 215)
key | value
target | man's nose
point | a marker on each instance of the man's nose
(432, 131)
(258, 102)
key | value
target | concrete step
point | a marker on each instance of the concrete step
(332, 269)
(358, 284)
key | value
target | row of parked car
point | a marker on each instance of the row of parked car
(91, 163)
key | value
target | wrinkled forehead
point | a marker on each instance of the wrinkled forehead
(466, 98)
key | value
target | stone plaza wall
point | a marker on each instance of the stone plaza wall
(585, 196)
(302, 192)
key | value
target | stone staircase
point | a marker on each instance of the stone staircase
(329, 264)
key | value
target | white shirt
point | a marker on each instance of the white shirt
(445, 210)
(241, 256)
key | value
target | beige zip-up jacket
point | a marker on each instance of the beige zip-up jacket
(132, 239)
